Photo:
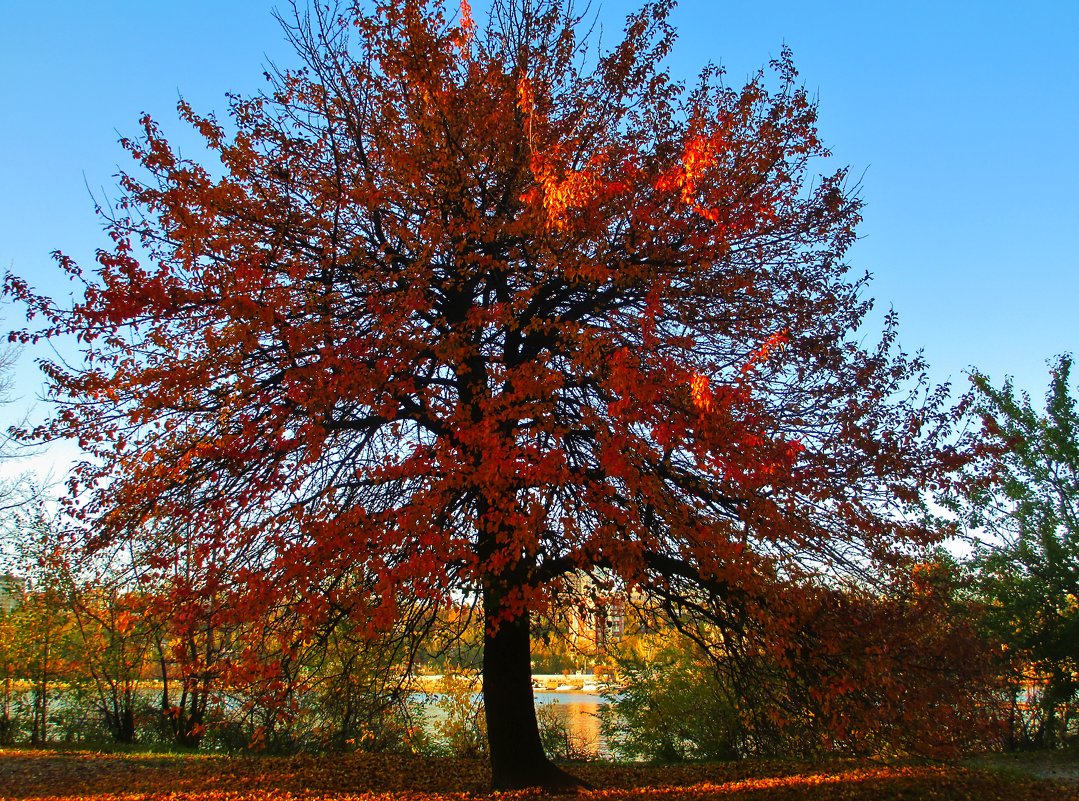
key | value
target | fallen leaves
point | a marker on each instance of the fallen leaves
(87, 776)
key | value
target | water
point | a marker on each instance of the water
(573, 717)
(579, 714)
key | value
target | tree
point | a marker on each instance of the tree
(16, 491)
(115, 646)
(469, 310)
(1024, 496)
(898, 668)
(670, 707)
(44, 643)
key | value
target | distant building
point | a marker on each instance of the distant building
(12, 590)
(599, 619)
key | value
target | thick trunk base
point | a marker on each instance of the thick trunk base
(545, 776)
(516, 753)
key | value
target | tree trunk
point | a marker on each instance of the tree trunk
(125, 716)
(516, 753)
(40, 733)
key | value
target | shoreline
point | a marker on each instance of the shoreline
(585, 683)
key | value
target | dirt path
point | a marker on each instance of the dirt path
(1041, 765)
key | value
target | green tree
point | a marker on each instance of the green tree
(43, 624)
(8, 664)
(115, 638)
(671, 705)
(1025, 497)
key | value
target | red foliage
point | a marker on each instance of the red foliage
(455, 313)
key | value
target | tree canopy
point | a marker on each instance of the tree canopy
(471, 309)
(1025, 500)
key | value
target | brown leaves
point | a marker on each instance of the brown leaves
(84, 776)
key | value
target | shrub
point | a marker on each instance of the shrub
(670, 708)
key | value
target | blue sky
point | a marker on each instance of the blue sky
(962, 119)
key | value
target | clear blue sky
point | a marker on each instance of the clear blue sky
(962, 118)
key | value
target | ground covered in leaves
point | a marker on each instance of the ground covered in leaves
(83, 775)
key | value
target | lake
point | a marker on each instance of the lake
(580, 714)
(576, 713)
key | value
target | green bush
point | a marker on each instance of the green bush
(671, 707)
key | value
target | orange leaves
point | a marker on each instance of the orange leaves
(700, 393)
(700, 153)
(774, 343)
(722, 174)
(86, 776)
(887, 670)
(560, 194)
(565, 192)
(466, 24)
(526, 97)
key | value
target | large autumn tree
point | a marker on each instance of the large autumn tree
(466, 311)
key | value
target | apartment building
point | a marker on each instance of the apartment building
(12, 590)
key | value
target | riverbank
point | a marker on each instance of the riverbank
(30, 775)
(542, 682)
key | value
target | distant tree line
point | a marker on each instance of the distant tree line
(87, 658)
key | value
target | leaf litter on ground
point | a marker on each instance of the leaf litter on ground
(89, 776)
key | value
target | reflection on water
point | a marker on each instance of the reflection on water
(574, 714)
(579, 713)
